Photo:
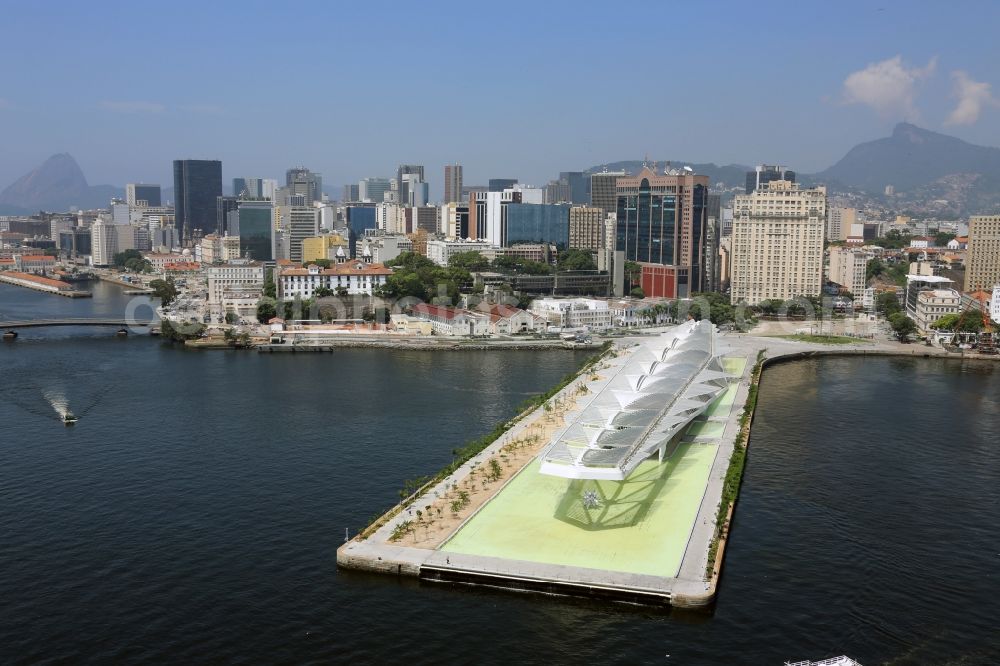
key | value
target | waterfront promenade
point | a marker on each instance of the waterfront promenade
(651, 539)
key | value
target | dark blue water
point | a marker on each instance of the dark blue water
(193, 513)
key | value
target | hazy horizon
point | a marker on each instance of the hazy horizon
(351, 91)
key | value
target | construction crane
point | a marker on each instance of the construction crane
(984, 339)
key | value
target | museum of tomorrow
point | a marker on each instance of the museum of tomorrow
(663, 385)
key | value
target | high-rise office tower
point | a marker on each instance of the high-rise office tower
(351, 193)
(373, 189)
(401, 186)
(602, 190)
(142, 195)
(224, 206)
(537, 223)
(302, 181)
(488, 215)
(197, 183)
(661, 220)
(777, 243)
(501, 184)
(557, 191)
(982, 264)
(416, 192)
(248, 188)
(255, 227)
(579, 186)
(303, 222)
(452, 183)
(765, 173)
(359, 220)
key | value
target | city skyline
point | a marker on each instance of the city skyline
(853, 80)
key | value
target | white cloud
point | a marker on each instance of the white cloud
(889, 86)
(972, 97)
(132, 106)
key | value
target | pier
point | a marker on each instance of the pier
(41, 283)
(658, 537)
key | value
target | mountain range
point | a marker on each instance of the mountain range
(56, 185)
(929, 171)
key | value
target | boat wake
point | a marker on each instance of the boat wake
(59, 403)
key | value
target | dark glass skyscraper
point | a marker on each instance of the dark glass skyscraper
(223, 206)
(256, 229)
(538, 223)
(501, 184)
(662, 220)
(197, 184)
(579, 186)
(764, 174)
(359, 219)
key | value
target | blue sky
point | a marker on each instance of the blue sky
(508, 89)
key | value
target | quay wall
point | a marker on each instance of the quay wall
(29, 283)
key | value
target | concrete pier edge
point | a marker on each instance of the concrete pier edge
(432, 565)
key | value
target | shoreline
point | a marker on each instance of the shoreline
(695, 585)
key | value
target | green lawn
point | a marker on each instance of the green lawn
(641, 526)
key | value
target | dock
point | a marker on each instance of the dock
(41, 283)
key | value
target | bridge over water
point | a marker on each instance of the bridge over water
(38, 323)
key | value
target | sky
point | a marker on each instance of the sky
(508, 89)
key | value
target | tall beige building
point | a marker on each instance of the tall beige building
(847, 268)
(586, 228)
(982, 262)
(840, 223)
(777, 243)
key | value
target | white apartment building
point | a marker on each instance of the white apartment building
(441, 251)
(587, 313)
(356, 276)
(389, 218)
(235, 276)
(847, 268)
(932, 304)
(777, 248)
(103, 243)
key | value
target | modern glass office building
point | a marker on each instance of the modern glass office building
(501, 184)
(662, 220)
(359, 218)
(255, 229)
(197, 184)
(537, 223)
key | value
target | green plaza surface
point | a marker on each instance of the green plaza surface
(640, 525)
